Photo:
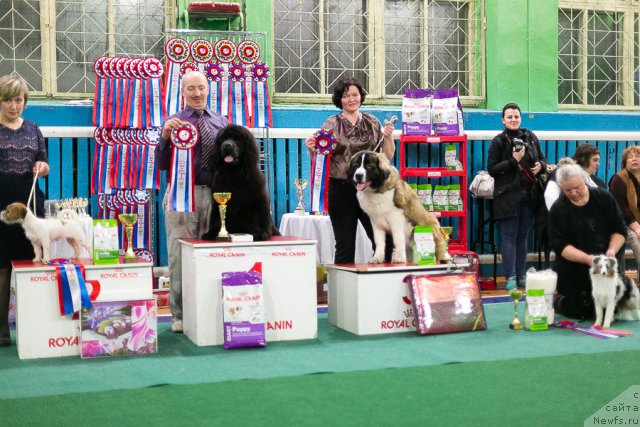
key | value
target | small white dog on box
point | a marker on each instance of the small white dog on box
(613, 294)
(41, 232)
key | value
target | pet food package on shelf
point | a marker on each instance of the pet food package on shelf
(426, 198)
(453, 197)
(424, 246)
(105, 241)
(416, 112)
(535, 314)
(545, 280)
(446, 303)
(451, 158)
(243, 309)
(441, 198)
(446, 113)
(414, 187)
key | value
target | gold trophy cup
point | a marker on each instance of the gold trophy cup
(222, 199)
(128, 220)
(300, 184)
(515, 295)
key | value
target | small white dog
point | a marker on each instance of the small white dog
(41, 232)
(612, 293)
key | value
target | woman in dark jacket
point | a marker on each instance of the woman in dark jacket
(515, 162)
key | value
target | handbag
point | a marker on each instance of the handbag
(482, 185)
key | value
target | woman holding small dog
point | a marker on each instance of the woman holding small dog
(625, 187)
(354, 131)
(22, 155)
(516, 162)
(584, 222)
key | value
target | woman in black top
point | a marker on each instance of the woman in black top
(584, 221)
(515, 160)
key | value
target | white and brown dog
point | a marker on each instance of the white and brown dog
(392, 206)
(41, 232)
(613, 294)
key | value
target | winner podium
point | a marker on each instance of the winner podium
(288, 276)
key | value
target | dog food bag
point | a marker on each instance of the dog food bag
(545, 280)
(424, 246)
(414, 187)
(243, 310)
(535, 314)
(105, 241)
(453, 198)
(426, 198)
(416, 112)
(446, 112)
(451, 159)
(441, 198)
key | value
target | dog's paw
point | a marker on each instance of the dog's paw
(36, 259)
(376, 260)
(398, 260)
(606, 325)
(444, 256)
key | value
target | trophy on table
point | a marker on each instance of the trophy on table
(128, 220)
(515, 295)
(300, 184)
(222, 199)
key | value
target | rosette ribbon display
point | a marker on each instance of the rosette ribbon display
(214, 76)
(238, 96)
(325, 144)
(181, 173)
(72, 288)
(261, 100)
(177, 51)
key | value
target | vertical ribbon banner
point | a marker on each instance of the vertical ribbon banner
(114, 96)
(99, 170)
(214, 75)
(177, 51)
(129, 88)
(108, 160)
(325, 144)
(135, 96)
(238, 113)
(142, 234)
(99, 96)
(150, 174)
(248, 54)
(225, 51)
(181, 173)
(261, 99)
(145, 102)
(154, 70)
(121, 96)
(72, 290)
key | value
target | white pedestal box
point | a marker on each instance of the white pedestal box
(288, 277)
(40, 329)
(373, 299)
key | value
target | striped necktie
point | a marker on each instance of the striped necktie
(206, 140)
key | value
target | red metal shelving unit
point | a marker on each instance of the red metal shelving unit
(460, 243)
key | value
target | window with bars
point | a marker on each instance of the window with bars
(52, 44)
(598, 53)
(389, 45)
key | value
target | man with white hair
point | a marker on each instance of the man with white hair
(185, 225)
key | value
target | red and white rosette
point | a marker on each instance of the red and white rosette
(99, 96)
(177, 51)
(248, 54)
(154, 70)
(225, 50)
(139, 201)
(262, 115)
(238, 96)
(182, 172)
(213, 72)
(201, 51)
(325, 144)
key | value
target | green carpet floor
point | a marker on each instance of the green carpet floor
(494, 377)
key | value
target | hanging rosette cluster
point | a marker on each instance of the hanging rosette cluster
(238, 83)
(125, 159)
(128, 92)
(325, 144)
(137, 202)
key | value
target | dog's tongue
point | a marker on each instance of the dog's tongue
(362, 185)
(228, 159)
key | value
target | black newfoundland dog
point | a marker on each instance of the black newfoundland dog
(235, 170)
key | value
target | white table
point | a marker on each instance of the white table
(318, 228)
(373, 298)
(40, 329)
(288, 278)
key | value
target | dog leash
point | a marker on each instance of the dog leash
(32, 192)
(393, 121)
